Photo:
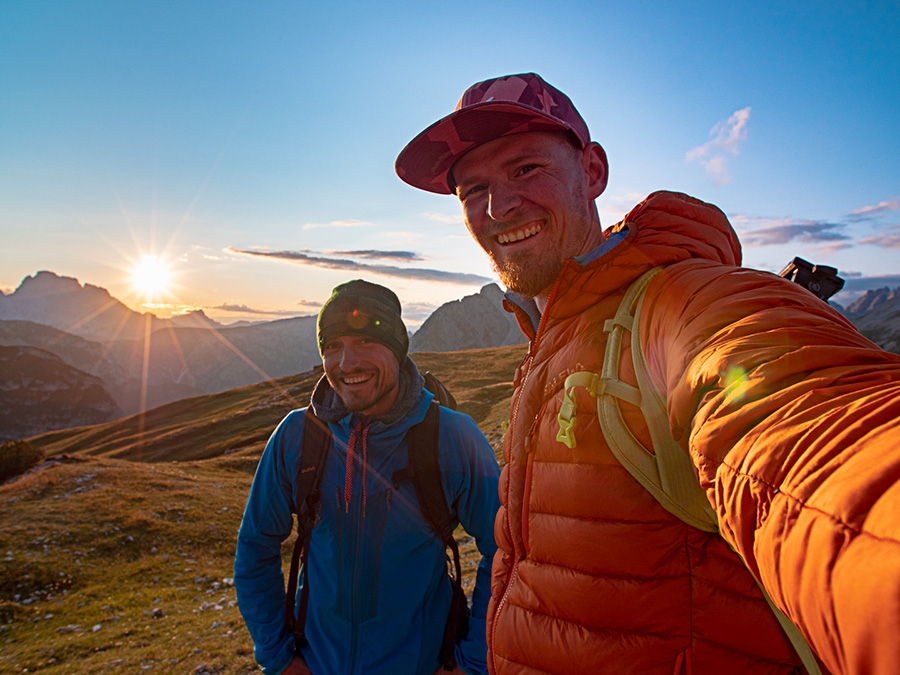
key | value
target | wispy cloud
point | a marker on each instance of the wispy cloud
(409, 256)
(337, 223)
(445, 218)
(726, 136)
(871, 212)
(244, 309)
(787, 230)
(300, 258)
(828, 235)
(887, 239)
(418, 311)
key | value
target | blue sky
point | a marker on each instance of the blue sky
(210, 133)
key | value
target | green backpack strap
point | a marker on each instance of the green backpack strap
(801, 646)
(666, 473)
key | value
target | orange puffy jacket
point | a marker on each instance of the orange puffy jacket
(786, 411)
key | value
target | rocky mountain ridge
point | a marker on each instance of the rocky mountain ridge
(877, 316)
(85, 310)
(141, 362)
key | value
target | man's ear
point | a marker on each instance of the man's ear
(593, 158)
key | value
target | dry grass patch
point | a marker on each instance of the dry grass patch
(115, 558)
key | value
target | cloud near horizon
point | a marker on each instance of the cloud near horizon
(436, 276)
(788, 230)
(380, 255)
(244, 309)
(726, 136)
(862, 284)
(766, 231)
(417, 312)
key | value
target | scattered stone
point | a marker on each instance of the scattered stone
(157, 613)
(96, 627)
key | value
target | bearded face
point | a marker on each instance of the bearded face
(525, 200)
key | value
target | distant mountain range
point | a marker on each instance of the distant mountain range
(877, 316)
(140, 361)
(95, 360)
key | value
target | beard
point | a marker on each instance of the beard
(527, 275)
(374, 398)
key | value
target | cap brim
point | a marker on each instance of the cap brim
(427, 159)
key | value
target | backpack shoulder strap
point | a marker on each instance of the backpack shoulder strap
(422, 447)
(314, 450)
(666, 472)
(441, 394)
(422, 444)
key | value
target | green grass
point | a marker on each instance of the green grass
(117, 556)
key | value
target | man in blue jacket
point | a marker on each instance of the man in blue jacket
(379, 592)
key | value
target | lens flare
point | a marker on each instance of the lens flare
(151, 277)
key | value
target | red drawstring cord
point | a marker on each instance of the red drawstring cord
(348, 480)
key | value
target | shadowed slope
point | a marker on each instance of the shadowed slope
(240, 420)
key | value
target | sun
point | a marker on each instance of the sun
(151, 277)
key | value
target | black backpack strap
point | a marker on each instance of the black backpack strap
(441, 394)
(314, 450)
(422, 447)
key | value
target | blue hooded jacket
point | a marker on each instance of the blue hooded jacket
(379, 593)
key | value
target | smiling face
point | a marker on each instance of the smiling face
(364, 373)
(528, 200)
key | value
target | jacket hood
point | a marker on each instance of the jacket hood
(670, 226)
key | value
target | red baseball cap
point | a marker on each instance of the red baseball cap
(504, 105)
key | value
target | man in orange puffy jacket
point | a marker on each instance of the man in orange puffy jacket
(788, 415)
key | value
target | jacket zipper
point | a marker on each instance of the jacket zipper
(529, 456)
(529, 359)
(354, 613)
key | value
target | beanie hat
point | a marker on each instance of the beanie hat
(362, 308)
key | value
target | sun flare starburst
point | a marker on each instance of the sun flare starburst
(151, 277)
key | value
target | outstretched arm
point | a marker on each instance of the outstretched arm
(792, 419)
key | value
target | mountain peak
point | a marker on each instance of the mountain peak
(44, 282)
(871, 300)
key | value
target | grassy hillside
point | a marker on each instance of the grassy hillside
(116, 557)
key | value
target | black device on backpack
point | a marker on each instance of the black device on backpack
(820, 280)
(424, 470)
